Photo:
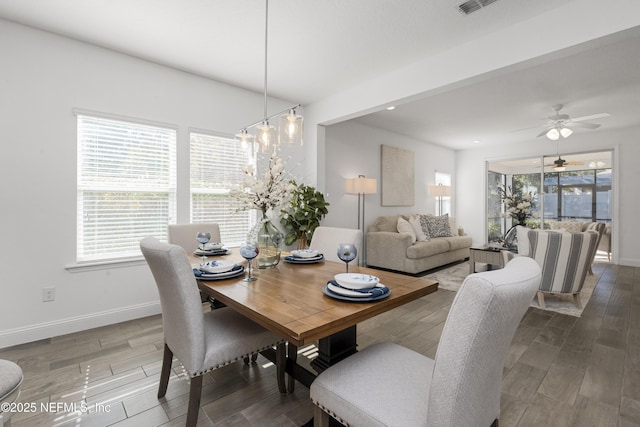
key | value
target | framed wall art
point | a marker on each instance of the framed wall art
(398, 176)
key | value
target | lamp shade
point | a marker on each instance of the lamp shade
(361, 185)
(439, 190)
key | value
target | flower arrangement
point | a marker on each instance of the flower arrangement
(305, 210)
(519, 206)
(268, 193)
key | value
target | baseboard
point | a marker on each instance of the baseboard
(631, 262)
(56, 328)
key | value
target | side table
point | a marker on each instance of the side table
(487, 254)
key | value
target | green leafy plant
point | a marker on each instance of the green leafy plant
(303, 214)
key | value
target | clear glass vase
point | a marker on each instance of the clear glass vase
(269, 240)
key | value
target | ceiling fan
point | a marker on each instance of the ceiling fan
(560, 125)
(561, 164)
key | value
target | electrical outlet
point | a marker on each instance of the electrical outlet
(48, 294)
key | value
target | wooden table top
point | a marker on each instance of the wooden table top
(289, 301)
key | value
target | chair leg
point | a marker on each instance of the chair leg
(320, 418)
(292, 354)
(281, 360)
(166, 370)
(541, 299)
(195, 391)
(576, 300)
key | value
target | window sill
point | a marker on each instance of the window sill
(80, 267)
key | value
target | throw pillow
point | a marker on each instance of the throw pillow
(414, 220)
(405, 228)
(438, 225)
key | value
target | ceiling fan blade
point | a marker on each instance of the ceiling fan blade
(529, 128)
(583, 125)
(543, 133)
(590, 117)
(574, 163)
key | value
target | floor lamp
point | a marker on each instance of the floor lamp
(439, 191)
(361, 186)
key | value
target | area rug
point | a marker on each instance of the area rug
(451, 278)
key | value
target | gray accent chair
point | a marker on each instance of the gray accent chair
(326, 241)
(390, 385)
(10, 380)
(201, 341)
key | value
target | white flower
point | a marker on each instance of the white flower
(268, 193)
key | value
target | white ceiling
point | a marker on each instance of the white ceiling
(318, 48)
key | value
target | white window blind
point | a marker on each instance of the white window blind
(444, 178)
(126, 186)
(216, 170)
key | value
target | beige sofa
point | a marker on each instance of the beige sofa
(386, 248)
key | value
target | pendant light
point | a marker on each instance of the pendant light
(266, 135)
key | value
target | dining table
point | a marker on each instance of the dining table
(289, 300)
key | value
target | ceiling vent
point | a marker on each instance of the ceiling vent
(471, 6)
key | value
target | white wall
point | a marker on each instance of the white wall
(470, 192)
(42, 78)
(353, 149)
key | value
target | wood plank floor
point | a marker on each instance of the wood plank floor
(561, 370)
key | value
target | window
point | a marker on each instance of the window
(444, 179)
(216, 163)
(126, 186)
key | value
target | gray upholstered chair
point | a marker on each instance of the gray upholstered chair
(10, 381)
(327, 239)
(390, 385)
(201, 341)
(185, 234)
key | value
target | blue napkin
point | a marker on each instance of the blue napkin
(375, 292)
(197, 272)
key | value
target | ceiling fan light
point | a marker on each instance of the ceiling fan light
(565, 132)
(559, 168)
(553, 134)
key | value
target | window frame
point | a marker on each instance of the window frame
(88, 181)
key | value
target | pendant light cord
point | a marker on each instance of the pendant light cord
(266, 27)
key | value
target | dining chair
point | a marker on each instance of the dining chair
(10, 380)
(390, 385)
(201, 341)
(326, 239)
(185, 234)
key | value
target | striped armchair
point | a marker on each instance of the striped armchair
(565, 259)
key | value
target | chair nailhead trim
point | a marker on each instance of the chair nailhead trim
(199, 373)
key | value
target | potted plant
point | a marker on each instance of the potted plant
(305, 210)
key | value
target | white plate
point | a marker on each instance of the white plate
(213, 246)
(350, 293)
(219, 266)
(356, 280)
(305, 253)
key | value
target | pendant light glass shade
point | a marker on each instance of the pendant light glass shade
(291, 128)
(266, 135)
